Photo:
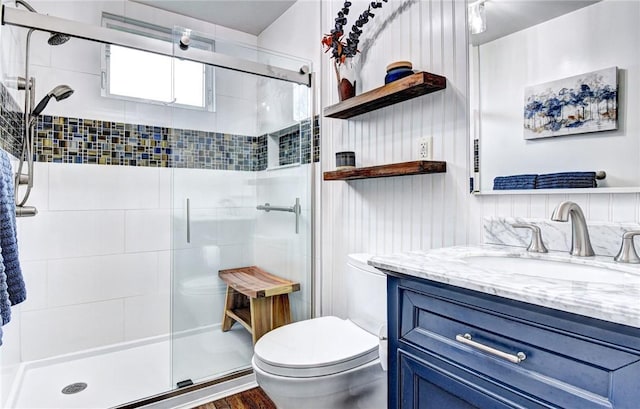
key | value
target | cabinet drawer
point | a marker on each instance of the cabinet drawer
(565, 369)
(434, 384)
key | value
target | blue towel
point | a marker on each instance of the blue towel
(562, 180)
(514, 182)
(566, 180)
(12, 288)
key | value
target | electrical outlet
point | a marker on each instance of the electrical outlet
(425, 147)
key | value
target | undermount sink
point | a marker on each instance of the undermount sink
(556, 270)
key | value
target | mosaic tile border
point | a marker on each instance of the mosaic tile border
(77, 140)
(289, 145)
(11, 123)
(294, 144)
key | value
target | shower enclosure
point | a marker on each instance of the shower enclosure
(244, 165)
(141, 203)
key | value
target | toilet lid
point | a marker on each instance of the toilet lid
(315, 347)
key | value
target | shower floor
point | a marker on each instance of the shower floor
(126, 372)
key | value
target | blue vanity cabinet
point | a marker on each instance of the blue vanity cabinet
(452, 348)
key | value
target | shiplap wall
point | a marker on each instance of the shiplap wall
(407, 213)
(415, 212)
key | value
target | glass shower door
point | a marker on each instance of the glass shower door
(212, 229)
(236, 152)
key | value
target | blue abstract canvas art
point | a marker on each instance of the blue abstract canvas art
(574, 105)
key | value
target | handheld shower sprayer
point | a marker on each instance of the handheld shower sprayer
(59, 93)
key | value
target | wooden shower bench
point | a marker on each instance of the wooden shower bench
(259, 301)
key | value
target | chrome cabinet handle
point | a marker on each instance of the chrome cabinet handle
(466, 339)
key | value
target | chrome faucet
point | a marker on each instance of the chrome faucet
(580, 242)
(536, 245)
(627, 253)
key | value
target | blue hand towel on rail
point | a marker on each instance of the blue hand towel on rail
(514, 182)
(566, 180)
(12, 287)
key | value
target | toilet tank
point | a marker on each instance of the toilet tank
(366, 293)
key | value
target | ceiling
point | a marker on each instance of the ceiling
(253, 16)
(504, 17)
(249, 16)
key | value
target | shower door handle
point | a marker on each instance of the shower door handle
(188, 221)
(297, 209)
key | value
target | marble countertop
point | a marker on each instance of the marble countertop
(617, 300)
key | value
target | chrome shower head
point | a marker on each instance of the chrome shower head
(57, 39)
(59, 93)
(54, 38)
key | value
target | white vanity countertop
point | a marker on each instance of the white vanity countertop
(615, 302)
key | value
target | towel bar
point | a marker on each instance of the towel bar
(296, 208)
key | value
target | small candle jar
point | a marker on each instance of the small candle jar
(398, 70)
(345, 160)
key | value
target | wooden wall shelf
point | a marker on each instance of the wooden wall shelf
(409, 87)
(395, 169)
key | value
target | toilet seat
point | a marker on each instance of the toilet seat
(316, 347)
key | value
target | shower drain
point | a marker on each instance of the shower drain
(74, 388)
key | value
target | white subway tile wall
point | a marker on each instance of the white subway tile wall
(61, 330)
(101, 242)
(112, 188)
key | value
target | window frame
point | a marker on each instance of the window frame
(142, 28)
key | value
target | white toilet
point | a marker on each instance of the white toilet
(328, 362)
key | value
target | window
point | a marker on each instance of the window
(143, 76)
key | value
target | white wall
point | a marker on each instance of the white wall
(412, 212)
(302, 25)
(560, 48)
(95, 258)
(295, 34)
(77, 63)
(12, 62)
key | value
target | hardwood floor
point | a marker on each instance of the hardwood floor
(250, 399)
